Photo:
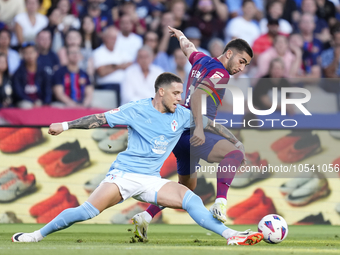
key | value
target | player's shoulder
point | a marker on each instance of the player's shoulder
(220, 73)
(182, 111)
(136, 105)
(196, 56)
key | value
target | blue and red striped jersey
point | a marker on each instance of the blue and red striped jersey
(212, 71)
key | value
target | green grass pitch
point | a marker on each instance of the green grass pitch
(164, 239)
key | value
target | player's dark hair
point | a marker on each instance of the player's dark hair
(239, 45)
(165, 79)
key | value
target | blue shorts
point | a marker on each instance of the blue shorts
(188, 156)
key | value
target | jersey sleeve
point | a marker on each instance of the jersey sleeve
(122, 115)
(189, 120)
(217, 76)
(196, 56)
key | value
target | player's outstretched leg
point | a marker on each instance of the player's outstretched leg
(65, 219)
(105, 196)
(227, 170)
(194, 206)
(142, 220)
(174, 195)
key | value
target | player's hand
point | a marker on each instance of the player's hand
(198, 137)
(175, 32)
(55, 129)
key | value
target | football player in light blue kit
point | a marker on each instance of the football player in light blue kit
(154, 125)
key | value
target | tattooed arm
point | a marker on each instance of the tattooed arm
(224, 132)
(87, 122)
(220, 130)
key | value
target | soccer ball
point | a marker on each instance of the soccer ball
(274, 228)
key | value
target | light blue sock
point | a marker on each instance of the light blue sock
(194, 206)
(69, 216)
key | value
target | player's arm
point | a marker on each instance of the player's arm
(196, 109)
(87, 122)
(186, 46)
(220, 130)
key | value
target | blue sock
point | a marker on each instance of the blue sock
(194, 206)
(69, 216)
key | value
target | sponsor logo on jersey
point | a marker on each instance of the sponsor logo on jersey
(159, 144)
(217, 75)
(114, 111)
(195, 74)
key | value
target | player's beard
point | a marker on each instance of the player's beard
(167, 108)
(230, 65)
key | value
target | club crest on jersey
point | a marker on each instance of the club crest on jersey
(174, 125)
(114, 111)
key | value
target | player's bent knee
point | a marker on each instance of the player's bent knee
(189, 183)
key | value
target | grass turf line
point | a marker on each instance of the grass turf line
(164, 239)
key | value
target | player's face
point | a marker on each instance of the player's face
(172, 96)
(237, 61)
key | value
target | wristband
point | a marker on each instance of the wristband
(65, 125)
(181, 37)
(238, 144)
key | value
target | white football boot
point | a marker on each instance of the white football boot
(27, 237)
(141, 226)
(219, 211)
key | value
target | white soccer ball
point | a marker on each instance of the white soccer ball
(274, 228)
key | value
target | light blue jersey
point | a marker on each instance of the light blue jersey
(152, 135)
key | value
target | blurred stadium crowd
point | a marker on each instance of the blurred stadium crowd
(103, 53)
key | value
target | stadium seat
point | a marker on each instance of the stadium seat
(106, 99)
